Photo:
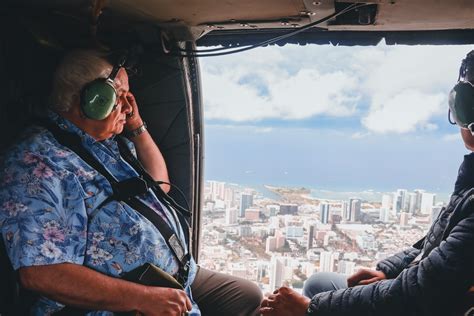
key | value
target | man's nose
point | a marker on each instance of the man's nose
(126, 106)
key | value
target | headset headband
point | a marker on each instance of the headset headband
(467, 65)
(119, 64)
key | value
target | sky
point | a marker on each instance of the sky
(333, 117)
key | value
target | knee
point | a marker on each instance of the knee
(318, 283)
(252, 294)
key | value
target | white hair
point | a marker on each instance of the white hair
(77, 68)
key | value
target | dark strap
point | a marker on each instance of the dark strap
(183, 214)
(137, 165)
(122, 193)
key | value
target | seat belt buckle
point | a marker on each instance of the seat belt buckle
(178, 249)
(126, 189)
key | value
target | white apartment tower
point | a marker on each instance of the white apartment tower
(276, 273)
(354, 209)
(427, 202)
(346, 267)
(387, 201)
(326, 261)
(404, 218)
(231, 216)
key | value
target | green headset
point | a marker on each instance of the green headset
(99, 97)
(461, 97)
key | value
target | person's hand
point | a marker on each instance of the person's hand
(161, 301)
(134, 119)
(364, 277)
(284, 302)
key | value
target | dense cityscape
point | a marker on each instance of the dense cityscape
(284, 240)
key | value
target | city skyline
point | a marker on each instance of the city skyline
(283, 241)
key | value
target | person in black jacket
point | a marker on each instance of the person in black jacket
(432, 277)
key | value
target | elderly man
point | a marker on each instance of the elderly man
(69, 240)
(431, 278)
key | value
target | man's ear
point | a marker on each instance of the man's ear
(467, 138)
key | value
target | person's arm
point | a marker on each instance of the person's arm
(147, 151)
(393, 265)
(79, 286)
(433, 287)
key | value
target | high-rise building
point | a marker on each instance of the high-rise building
(270, 244)
(288, 209)
(387, 201)
(419, 194)
(412, 201)
(309, 245)
(396, 203)
(403, 194)
(384, 215)
(324, 213)
(217, 190)
(346, 215)
(231, 216)
(326, 261)
(280, 239)
(229, 197)
(276, 273)
(354, 209)
(427, 202)
(404, 218)
(252, 214)
(346, 267)
(246, 201)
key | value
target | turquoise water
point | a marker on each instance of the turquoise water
(331, 194)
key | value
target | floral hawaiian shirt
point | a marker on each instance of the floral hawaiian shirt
(51, 212)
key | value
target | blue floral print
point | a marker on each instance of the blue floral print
(51, 212)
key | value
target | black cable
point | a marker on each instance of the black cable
(449, 117)
(208, 50)
(275, 39)
(177, 189)
(195, 53)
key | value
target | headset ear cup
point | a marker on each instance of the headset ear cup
(98, 99)
(461, 104)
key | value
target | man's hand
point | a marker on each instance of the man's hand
(284, 302)
(134, 120)
(364, 277)
(147, 151)
(82, 287)
(161, 301)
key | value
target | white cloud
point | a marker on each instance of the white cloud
(451, 137)
(404, 112)
(394, 89)
(286, 96)
(407, 86)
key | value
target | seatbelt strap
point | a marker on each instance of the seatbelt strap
(73, 142)
(137, 165)
(183, 214)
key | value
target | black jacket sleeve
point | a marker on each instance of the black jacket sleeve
(433, 287)
(393, 265)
